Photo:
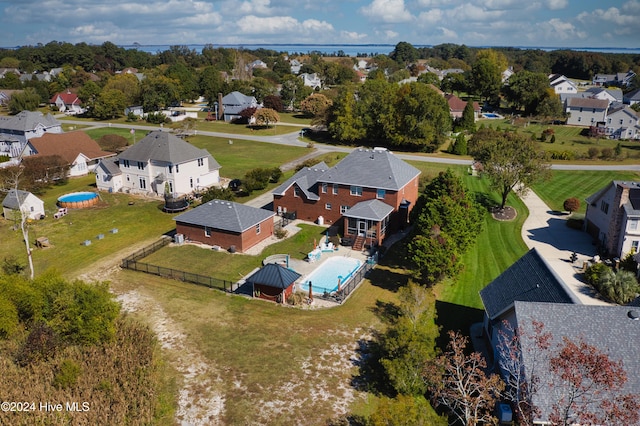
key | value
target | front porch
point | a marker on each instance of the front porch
(366, 224)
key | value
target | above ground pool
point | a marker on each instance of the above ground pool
(324, 279)
(78, 200)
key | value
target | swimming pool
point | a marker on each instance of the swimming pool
(491, 115)
(325, 277)
(78, 200)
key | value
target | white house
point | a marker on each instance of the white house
(610, 94)
(586, 111)
(108, 175)
(234, 103)
(18, 201)
(562, 84)
(311, 80)
(67, 102)
(295, 66)
(613, 217)
(160, 163)
(632, 97)
(16, 130)
(622, 123)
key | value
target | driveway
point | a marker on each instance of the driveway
(546, 230)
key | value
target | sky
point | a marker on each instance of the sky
(523, 23)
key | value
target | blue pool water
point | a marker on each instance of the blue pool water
(490, 115)
(325, 277)
(77, 196)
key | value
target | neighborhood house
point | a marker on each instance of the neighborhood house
(160, 163)
(369, 194)
(18, 202)
(16, 130)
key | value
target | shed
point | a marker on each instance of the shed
(273, 282)
(18, 200)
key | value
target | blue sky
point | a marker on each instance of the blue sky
(549, 23)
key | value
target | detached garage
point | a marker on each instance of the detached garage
(228, 225)
(18, 201)
(273, 282)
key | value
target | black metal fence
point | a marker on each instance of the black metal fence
(353, 281)
(131, 262)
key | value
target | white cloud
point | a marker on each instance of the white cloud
(352, 36)
(282, 25)
(556, 29)
(557, 4)
(252, 7)
(431, 17)
(472, 12)
(387, 11)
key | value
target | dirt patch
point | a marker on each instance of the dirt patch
(506, 214)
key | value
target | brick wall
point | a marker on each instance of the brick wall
(226, 239)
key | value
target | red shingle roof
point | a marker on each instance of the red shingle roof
(457, 105)
(68, 146)
(67, 97)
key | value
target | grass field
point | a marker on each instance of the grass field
(580, 184)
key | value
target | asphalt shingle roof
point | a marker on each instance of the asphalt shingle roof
(274, 275)
(371, 168)
(371, 209)
(68, 146)
(305, 178)
(163, 146)
(588, 103)
(529, 279)
(11, 201)
(225, 215)
(27, 120)
(611, 329)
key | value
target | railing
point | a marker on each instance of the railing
(353, 281)
(131, 262)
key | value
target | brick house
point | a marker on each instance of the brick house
(368, 195)
(613, 217)
(226, 224)
(457, 106)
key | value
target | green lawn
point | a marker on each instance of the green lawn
(579, 184)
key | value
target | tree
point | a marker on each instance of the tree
(405, 410)
(591, 387)
(571, 204)
(486, 74)
(88, 94)
(113, 143)
(429, 78)
(211, 83)
(266, 117)
(527, 89)
(274, 102)
(460, 145)
(458, 382)
(110, 104)
(128, 84)
(345, 124)
(550, 107)
(404, 53)
(511, 161)
(28, 100)
(468, 119)
(620, 286)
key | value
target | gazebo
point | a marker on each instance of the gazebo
(273, 282)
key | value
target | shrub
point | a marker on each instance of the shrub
(593, 152)
(629, 263)
(8, 318)
(606, 153)
(280, 233)
(571, 204)
(593, 273)
(619, 287)
(40, 345)
(67, 374)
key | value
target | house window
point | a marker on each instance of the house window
(177, 168)
(128, 178)
(621, 121)
(257, 229)
(170, 168)
(296, 191)
(609, 120)
(324, 187)
(356, 190)
(125, 163)
(140, 165)
(171, 187)
(200, 162)
(143, 183)
(343, 209)
(634, 246)
(207, 231)
(604, 206)
(32, 209)
(335, 189)
(190, 182)
(633, 225)
(327, 206)
(380, 193)
(594, 110)
(579, 119)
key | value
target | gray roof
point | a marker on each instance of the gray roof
(163, 146)
(225, 216)
(274, 275)
(11, 201)
(587, 103)
(529, 279)
(110, 165)
(634, 95)
(609, 328)
(305, 178)
(235, 102)
(374, 168)
(27, 120)
(371, 209)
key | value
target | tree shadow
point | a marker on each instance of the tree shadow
(485, 200)
(387, 279)
(387, 312)
(452, 317)
(370, 376)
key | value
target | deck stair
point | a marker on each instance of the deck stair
(358, 244)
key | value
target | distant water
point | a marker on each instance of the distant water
(353, 49)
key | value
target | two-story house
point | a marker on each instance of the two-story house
(160, 163)
(586, 111)
(613, 217)
(622, 123)
(369, 194)
(562, 84)
(234, 103)
(16, 130)
(67, 102)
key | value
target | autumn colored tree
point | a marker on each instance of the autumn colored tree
(316, 105)
(571, 204)
(591, 387)
(274, 102)
(458, 382)
(266, 117)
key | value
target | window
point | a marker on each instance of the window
(634, 245)
(143, 183)
(633, 224)
(621, 121)
(200, 162)
(125, 163)
(257, 229)
(170, 168)
(32, 209)
(343, 209)
(356, 190)
(190, 182)
(140, 165)
(380, 193)
(604, 207)
(177, 168)
(327, 206)
(324, 187)
(579, 119)
(171, 187)
(128, 178)
(296, 191)
(207, 231)
(335, 189)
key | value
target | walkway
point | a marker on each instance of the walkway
(546, 230)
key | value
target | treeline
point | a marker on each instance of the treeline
(66, 342)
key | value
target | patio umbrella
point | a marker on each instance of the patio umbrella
(339, 280)
(310, 291)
